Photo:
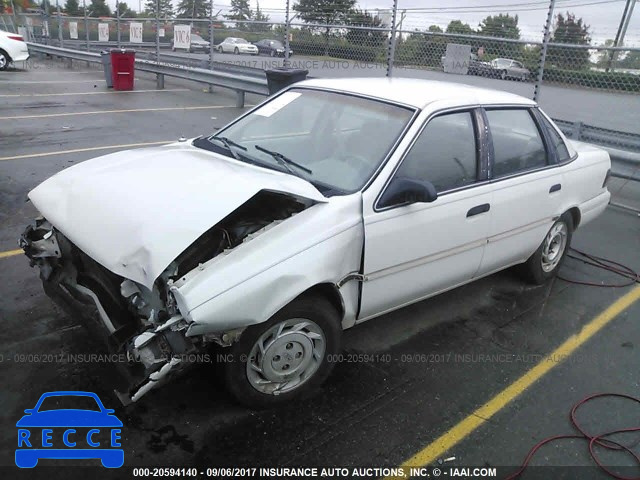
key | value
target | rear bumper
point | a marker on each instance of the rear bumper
(594, 207)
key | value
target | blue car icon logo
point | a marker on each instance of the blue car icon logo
(69, 425)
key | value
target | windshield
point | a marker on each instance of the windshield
(275, 43)
(69, 402)
(241, 40)
(196, 38)
(339, 140)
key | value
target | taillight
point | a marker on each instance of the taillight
(16, 37)
(606, 178)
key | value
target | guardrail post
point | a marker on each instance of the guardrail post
(239, 98)
(160, 81)
(577, 130)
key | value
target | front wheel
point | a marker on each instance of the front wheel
(548, 258)
(287, 357)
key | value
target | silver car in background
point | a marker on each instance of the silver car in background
(505, 68)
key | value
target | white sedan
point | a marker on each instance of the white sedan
(333, 202)
(237, 46)
(12, 49)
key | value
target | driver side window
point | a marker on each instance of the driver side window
(444, 153)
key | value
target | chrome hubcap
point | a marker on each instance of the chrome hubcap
(3, 60)
(554, 246)
(286, 356)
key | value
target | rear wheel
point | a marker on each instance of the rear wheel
(286, 357)
(546, 261)
(4, 60)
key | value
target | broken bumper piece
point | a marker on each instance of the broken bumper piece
(132, 319)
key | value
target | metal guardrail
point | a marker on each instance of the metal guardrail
(240, 83)
(623, 147)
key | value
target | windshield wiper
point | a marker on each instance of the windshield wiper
(283, 160)
(228, 144)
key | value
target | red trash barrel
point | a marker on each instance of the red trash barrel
(122, 69)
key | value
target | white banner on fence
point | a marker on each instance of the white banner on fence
(161, 32)
(135, 32)
(182, 36)
(103, 32)
(73, 30)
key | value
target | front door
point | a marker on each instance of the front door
(416, 250)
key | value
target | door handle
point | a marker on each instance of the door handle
(555, 188)
(477, 210)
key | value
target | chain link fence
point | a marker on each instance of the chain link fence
(574, 76)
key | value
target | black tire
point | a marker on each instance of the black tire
(532, 270)
(310, 307)
(5, 60)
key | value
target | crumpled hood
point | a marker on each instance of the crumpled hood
(135, 211)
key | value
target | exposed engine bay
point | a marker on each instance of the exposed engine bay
(147, 325)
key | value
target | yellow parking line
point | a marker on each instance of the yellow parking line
(89, 149)
(11, 253)
(111, 92)
(130, 110)
(460, 431)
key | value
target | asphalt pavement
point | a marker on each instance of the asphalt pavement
(405, 381)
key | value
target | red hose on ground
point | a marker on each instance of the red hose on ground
(594, 440)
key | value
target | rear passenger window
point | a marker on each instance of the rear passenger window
(444, 153)
(517, 143)
(561, 149)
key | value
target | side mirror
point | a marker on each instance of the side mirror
(404, 190)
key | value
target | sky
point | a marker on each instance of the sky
(603, 16)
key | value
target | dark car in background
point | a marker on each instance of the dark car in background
(273, 48)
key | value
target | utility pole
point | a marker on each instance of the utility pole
(543, 52)
(622, 30)
(392, 39)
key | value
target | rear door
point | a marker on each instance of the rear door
(527, 187)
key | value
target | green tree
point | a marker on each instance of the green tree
(125, 11)
(456, 26)
(259, 16)
(325, 12)
(369, 38)
(166, 8)
(99, 8)
(193, 9)
(434, 29)
(573, 31)
(240, 10)
(604, 55)
(72, 8)
(631, 60)
(501, 26)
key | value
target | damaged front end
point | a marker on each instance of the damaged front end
(146, 324)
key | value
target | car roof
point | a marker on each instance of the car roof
(418, 92)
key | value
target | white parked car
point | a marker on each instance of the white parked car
(237, 46)
(12, 49)
(333, 202)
